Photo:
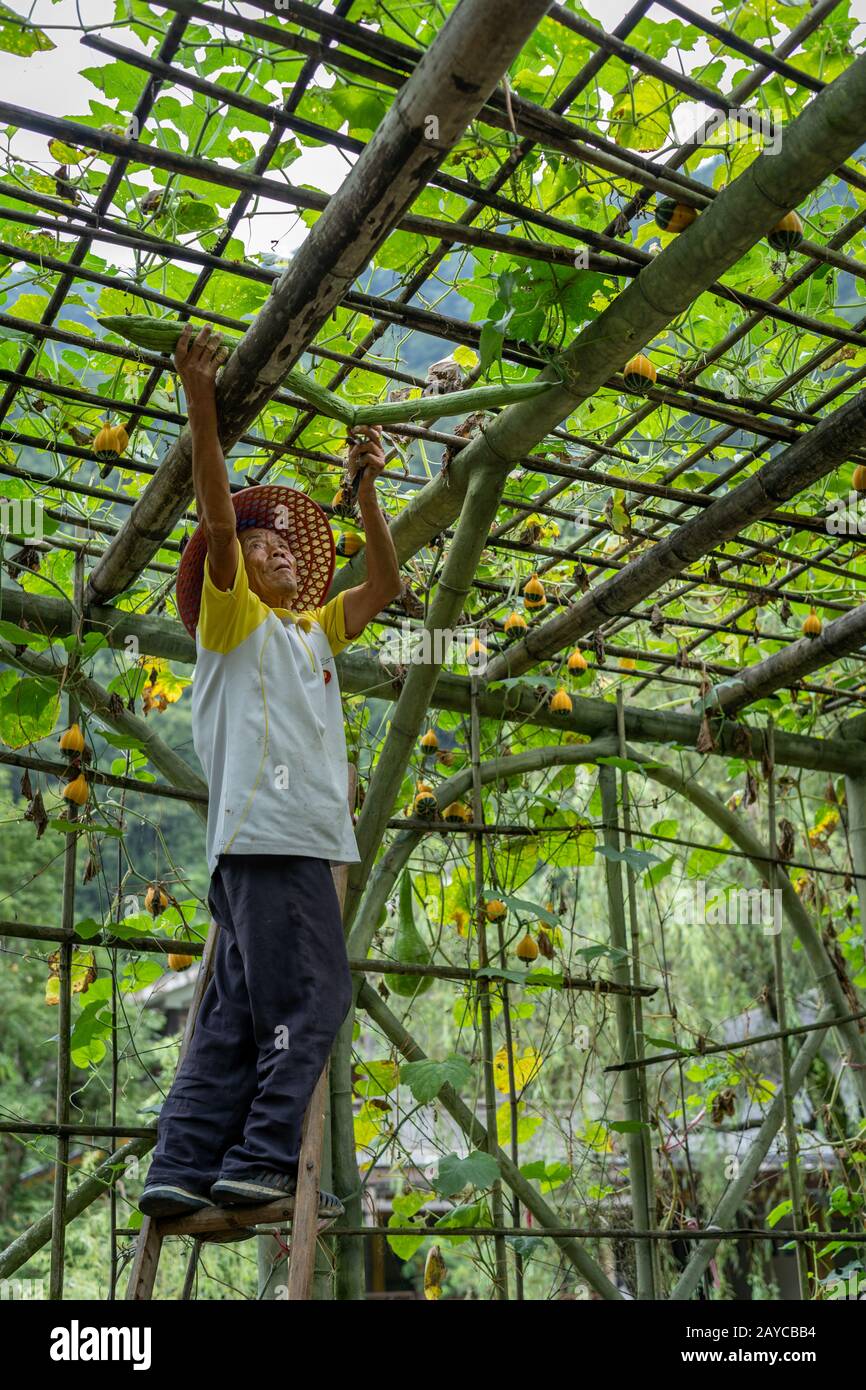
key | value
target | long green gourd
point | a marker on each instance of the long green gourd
(161, 335)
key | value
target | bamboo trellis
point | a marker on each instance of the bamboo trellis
(657, 531)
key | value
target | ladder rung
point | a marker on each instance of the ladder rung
(213, 1220)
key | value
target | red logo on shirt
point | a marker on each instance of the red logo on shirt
(327, 676)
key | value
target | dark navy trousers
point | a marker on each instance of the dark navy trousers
(280, 990)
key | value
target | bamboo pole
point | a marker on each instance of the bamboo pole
(823, 971)
(855, 800)
(814, 950)
(500, 1280)
(477, 1135)
(795, 1186)
(788, 666)
(64, 1022)
(740, 1186)
(636, 1003)
(479, 512)
(143, 331)
(634, 1139)
(90, 693)
(37, 1235)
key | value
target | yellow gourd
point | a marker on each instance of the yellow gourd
(515, 624)
(424, 806)
(77, 790)
(812, 626)
(429, 741)
(533, 593)
(349, 544)
(527, 949)
(72, 739)
(639, 373)
(560, 702)
(110, 443)
(495, 910)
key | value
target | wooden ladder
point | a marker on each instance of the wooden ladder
(223, 1224)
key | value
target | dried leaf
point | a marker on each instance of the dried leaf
(787, 839)
(706, 743)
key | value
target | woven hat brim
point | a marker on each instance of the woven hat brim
(274, 507)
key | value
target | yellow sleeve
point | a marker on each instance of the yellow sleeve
(332, 621)
(228, 616)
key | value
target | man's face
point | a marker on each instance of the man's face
(270, 566)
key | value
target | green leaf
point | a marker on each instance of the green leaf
(637, 859)
(20, 37)
(28, 709)
(404, 1212)
(469, 1214)
(523, 905)
(425, 1079)
(478, 1170)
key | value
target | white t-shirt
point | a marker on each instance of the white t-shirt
(267, 725)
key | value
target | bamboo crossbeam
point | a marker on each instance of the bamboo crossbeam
(813, 456)
(362, 673)
(146, 332)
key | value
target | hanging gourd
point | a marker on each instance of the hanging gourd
(515, 625)
(495, 910)
(533, 593)
(812, 626)
(429, 741)
(409, 949)
(177, 962)
(77, 790)
(639, 373)
(349, 544)
(110, 443)
(342, 503)
(859, 479)
(787, 233)
(560, 701)
(457, 813)
(475, 651)
(527, 950)
(577, 662)
(155, 899)
(72, 739)
(672, 216)
(424, 806)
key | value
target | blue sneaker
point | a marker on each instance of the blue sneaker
(171, 1199)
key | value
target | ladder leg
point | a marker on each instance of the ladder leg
(147, 1251)
(305, 1221)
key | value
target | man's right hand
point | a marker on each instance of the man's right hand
(198, 359)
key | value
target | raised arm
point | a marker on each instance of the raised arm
(197, 360)
(382, 584)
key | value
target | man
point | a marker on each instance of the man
(268, 731)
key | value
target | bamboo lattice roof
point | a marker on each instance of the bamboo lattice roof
(569, 157)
